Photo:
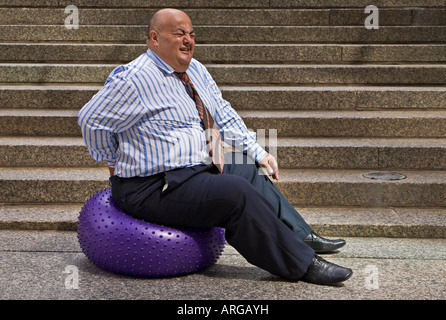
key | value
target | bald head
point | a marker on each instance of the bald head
(161, 17)
(172, 38)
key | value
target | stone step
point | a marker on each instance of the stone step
(231, 34)
(329, 221)
(40, 217)
(302, 187)
(349, 123)
(354, 153)
(35, 96)
(416, 124)
(335, 98)
(243, 74)
(329, 74)
(306, 153)
(51, 185)
(376, 222)
(222, 3)
(57, 123)
(351, 188)
(45, 152)
(229, 53)
(229, 16)
(248, 98)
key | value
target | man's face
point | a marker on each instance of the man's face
(175, 42)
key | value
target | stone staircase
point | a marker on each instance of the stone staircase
(345, 101)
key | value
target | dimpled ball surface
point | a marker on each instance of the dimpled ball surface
(120, 243)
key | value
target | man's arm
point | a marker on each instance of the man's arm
(235, 131)
(113, 109)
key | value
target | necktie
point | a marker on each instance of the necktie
(213, 138)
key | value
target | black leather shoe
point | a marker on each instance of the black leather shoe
(322, 245)
(325, 273)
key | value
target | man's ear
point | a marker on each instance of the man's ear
(153, 38)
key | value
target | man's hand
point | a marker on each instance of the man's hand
(112, 171)
(269, 163)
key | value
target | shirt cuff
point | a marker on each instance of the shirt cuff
(256, 152)
(111, 164)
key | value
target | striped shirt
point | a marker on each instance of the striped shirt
(143, 121)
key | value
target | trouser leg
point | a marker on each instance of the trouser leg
(251, 225)
(243, 166)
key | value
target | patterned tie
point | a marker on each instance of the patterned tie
(213, 138)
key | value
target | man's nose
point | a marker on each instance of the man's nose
(187, 39)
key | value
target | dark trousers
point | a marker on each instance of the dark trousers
(259, 222)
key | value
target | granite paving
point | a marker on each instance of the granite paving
(42, 265)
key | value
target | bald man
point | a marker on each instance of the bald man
(157, 122)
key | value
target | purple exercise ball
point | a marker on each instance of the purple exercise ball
(120, 243)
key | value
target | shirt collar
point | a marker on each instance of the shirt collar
(160, 63)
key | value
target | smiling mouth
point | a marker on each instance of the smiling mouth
(186, 50)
